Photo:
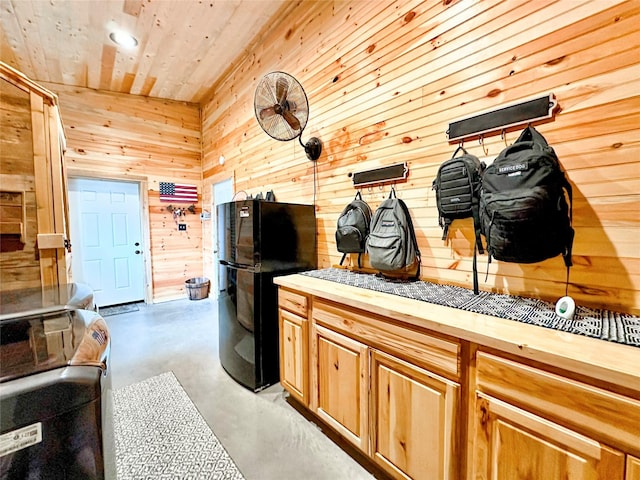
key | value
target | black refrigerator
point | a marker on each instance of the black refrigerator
(257, 241)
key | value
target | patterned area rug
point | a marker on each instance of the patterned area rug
(159, 434)
(603, 324)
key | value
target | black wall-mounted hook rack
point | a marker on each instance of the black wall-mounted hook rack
(392, 173)
(499, 120)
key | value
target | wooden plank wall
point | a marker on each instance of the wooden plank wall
(384, 79)
(18, 268)
(148, 140)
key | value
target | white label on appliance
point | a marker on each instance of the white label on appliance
(22, 438)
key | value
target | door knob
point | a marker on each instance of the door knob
(137, 244)
(138, 252)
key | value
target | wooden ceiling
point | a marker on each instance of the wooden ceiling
(184, 46)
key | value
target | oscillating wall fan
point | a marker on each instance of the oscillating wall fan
(282, 110)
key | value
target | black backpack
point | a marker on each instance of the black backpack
(524, 214)
(392, 245)
(353, 228)
(457, 187)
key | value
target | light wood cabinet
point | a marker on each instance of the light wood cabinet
(633, 468)
(513, 444)
(340, 383)
(414, 419)
(294, 355)
(531, 423)
(595, 412)
(294, 344)
(425, 400)
(372, 381)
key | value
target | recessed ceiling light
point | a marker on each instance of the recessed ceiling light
(123, 39)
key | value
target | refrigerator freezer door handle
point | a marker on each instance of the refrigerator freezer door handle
(237, 266)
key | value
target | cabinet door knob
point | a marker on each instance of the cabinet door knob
(138, 252)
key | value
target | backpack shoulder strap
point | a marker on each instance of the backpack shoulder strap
(475, 206)
(476, 288)
(569, 247)
(414, 240)
(567, 186)
(477, 225)
(445, 223)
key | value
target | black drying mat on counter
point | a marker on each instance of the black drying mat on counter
(596, 323)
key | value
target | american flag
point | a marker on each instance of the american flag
(175, 192)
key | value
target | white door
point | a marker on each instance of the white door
(107, 250)
(222, 193)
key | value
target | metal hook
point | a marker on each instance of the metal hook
(481, 142)
(461, 145)
(503, 136)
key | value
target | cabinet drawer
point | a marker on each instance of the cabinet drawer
(512, 443)
(293, 301)
(602, 414)
(392, 337)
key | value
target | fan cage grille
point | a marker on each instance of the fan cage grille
(266, 105)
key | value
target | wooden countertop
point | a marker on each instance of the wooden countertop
(607, 361)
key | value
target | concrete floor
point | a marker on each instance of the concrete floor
(265, 435)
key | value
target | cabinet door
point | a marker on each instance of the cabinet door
(512, 444)
(294, 354)
(414, 419)
(633, 468)
(340, 379)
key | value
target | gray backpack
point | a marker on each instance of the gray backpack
(353, 228)
(391, 244)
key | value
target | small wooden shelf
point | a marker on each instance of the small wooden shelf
(10, 228)
(12, 213)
